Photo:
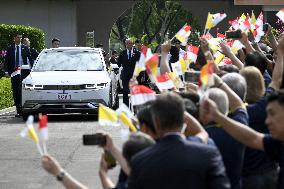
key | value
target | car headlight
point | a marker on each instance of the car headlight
(96, 86)
(32, 87)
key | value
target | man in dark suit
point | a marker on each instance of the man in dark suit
(34, 53)
(174, 162)
(16, 58)
(127, 59)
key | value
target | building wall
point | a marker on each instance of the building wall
(55, 18)
(99, 16)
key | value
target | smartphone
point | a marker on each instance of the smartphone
(111, 162)
(192, 77)
(94, 139)
(237, 34)
(265, 27)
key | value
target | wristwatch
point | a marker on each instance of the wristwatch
(60, 176)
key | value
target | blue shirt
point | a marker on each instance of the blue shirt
(197, 139)
(256, 161)
(275, 150)
(231, 150)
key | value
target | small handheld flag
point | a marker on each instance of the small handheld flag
(30, 131)
(107, 116)
(183, 34)
(43, 131)
(280, 14)
(140, 94)
(127, 122)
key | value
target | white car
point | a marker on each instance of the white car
(69, 80)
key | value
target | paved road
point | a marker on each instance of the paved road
(20, 166)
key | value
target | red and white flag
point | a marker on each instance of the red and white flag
(235, 23)
(43, 131)
(258, 32)
(140, 94)
(280, 14)
(192, 52)
(164, 82)
(43, 127)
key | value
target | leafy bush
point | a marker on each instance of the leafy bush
(6, 98)
(7, 33)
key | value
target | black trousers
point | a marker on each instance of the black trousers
(125, 77)
(265, 180)
(16, 82)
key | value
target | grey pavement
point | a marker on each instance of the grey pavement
(20, 164)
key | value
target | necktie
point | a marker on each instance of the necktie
(129, 54)
(17, 56)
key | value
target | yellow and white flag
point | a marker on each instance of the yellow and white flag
(30, 131)
(183, 34)
(107, 116)
(126, 121)
(214, 19)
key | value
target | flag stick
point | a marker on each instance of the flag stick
(206, 24)
(39, 149)
(183, 128)
(44, 147)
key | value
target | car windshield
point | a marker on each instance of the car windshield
(69, 60)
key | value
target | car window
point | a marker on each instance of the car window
(69, 60)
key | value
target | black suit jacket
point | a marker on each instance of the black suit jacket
(10, 64)
(128, 65)
(34, 53)
(174, 163)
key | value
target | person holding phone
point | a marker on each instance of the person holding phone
(135, 143)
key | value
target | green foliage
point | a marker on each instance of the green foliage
(153, 21)
(6, 98)
(7, 33)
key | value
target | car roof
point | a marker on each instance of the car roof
(74, 48)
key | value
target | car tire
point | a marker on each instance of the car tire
(25, 116)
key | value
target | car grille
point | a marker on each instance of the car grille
(63, 87)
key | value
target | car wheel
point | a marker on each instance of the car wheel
(25, 117)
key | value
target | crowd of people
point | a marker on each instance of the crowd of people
(229, 136)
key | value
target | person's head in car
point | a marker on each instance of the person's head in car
(55, 42)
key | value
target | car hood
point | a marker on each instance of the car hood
(67, 78)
